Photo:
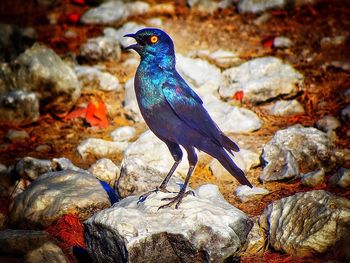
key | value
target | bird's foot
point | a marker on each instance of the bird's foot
(143, 197)
(176, 199)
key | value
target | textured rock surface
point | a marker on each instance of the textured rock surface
(114, 12)
(19, 107)
(105, 170)
(31, 168)
(313, 178)
(41, 70)
(285, 108)
(101, 48)
(204, 228)
(294, 148)
(282, 42)
(93, 78)
(245, 193)
(48, 252)
(328, 123)
(19, 242)
(55, 194)
(307, 223)
(256, 240)
(256, 6)
(124, 133)
(341, 178)
(261, 79)
(136, 178)
(100, 148)
(16, 136)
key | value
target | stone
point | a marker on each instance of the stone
(16, 136)
(333, 41)
(48, 252)
(6, 181)
(258, 6)
(314, 178)
(204, 228)
(282, 42)
(257, 239)
(152, 151)
(285, 108)
(228, 117)
(100, 148)
(207, 6)
(93, 78)
(244, 159)
(297, 147)
(100, 49)
(3, 221)
(41, 70)
(130, 102)
(307, 223)
(19, 108)
(121, 134)
(55, 194)
(61, 164)
(43, 148)
(245, 193)
(105, 170)
(328, 123)
(224, 58)
(341, 178)
(114, 12)
(19, 241)
(345, 114)
(137, 177)
(261, 79)
(31, 168)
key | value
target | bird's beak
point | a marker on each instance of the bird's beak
(134, 46)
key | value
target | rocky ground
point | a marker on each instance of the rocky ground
(274, 78)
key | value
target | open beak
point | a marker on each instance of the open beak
(136, 46)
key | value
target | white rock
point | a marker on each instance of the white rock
(257, 242)
(245, 193)
(155, 22)
(105, 170)
(130, 102)
(285, 108)
(113, 12)
(17, 136)
(55, 194)
(261, 79)
(256, 6)
(155, 154)
(341, 178)
(202, 76)
(92, 77)
(282, 42)
(230, 118)
(122, 134)
(48, 252)
(31, 168)
(101, 48)
(313, 178)
(65, 164)
(205, 227)
(100, 148)
(328, 123)
(333, 41)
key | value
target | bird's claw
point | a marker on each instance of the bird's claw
(176, 199)
(143, 197)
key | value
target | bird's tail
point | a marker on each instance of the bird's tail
(228, 144)
(222, 156)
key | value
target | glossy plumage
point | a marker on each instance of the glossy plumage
(174, 112)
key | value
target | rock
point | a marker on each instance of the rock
(93, 78)
(346, 95)
(257, 239)
(227, 116)
(257, 6)
(105, 170)
(118, 35)
(221, 58)
(31, 168)
(296, 147)
(130, 102)
(341, 178)
(285, 108)
(333, 41)
(262, 19)
(114, 12)
(203, 77)
(61, 164)
(3, 221)
(204, 228)
(100, 49)
(19, 242)
(328, 123)
(40, 69)
(261, 79)
(207, 6)
(153, 152)
(100, 148)
(282, 42)
(6, 181)
(345, 114)
(307, 223)
(16, 136)
(125, 133)
(137, 178)
(55, 194)
(43, 148)
(244, 159)
(19, 108)
(340, 64)
(313, 178)
(245, 193)
(48, 252)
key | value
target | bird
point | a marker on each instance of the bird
(175, 113)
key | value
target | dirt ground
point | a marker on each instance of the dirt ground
(192, 30)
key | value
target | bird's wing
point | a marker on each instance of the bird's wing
(188, 106)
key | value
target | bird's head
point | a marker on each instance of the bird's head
(152, 42)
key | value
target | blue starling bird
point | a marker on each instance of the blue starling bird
(174, 112)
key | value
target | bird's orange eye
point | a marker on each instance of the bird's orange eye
(154, 39)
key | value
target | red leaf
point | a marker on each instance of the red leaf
(267, 42)
(74, 18)
(96, 115)
(238, 95)
(78, 112)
